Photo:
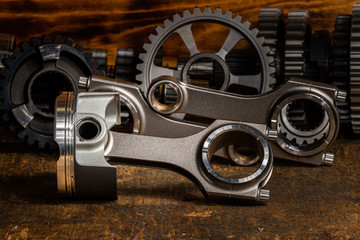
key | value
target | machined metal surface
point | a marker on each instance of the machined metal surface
(269, 107)
(88, 146)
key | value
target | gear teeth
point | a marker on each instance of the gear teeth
(207, 10)
(30, 140)
(147, 47)
(34, 42)
(46, 39)
(355, 69)
(12, 127)
(167, 23)
(159, 30)
(69, 42)
(58, 40)
(228, 15)
(197, 11)
(79, 47)
(218, 11)
(24, 46)
(142, 57)
(42, 145)
(238, 19)
(21, 134)
(152, 37)
(186, 13)
(247, 24)
(176, 17)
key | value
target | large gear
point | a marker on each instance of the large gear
(341, 62)
(271, 27)
(182, 26)
(297, 40)
(355, 69)
(34, 76)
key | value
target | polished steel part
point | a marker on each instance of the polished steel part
(219, 105)
(181, 25)
(88, 147)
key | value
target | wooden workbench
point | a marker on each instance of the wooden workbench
(306, 201)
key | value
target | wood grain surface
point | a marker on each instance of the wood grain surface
(306, 202)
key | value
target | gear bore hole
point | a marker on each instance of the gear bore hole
(45, 88)
(88, 129)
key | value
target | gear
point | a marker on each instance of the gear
(271, 27)
(355, 69)
(182, 26)
(303, 122)
(124, 64)
(34, 76)
(317, 68)
(97, 60)
(340, 62)
(297, 42)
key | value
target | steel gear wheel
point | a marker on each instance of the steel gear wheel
(124, 65)
(355, 69)
(97, 60)
(341, 62)
(182, 26)
(34, 76)
(271, 26)
(297, 40)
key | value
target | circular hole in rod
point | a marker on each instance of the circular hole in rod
(248, 141)
(165, 96)
(88, 129)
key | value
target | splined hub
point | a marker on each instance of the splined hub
(34, 76)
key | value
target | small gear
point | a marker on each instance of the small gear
(297, 43)
(182, 26)
(97, 60)
(355, 69)
(124, 65)
(271, 26)
(34, 76)
(303, 123)
(341, 62)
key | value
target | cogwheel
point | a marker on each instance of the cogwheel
(271, 26)
(34, 76)
(181, 25)
(303, 122)
(340, 62)
(297, 40)
(124, 64)
(97, 60)
(355, 69)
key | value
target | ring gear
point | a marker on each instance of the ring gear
(355, 69)
(340, 62)
(182, 26)
(271, 27)
(29, 96)
(297, 41)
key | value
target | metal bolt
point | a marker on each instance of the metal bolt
(328, 159)
(341, 96)
(264, 196)
(83, 82)
(272, 134)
